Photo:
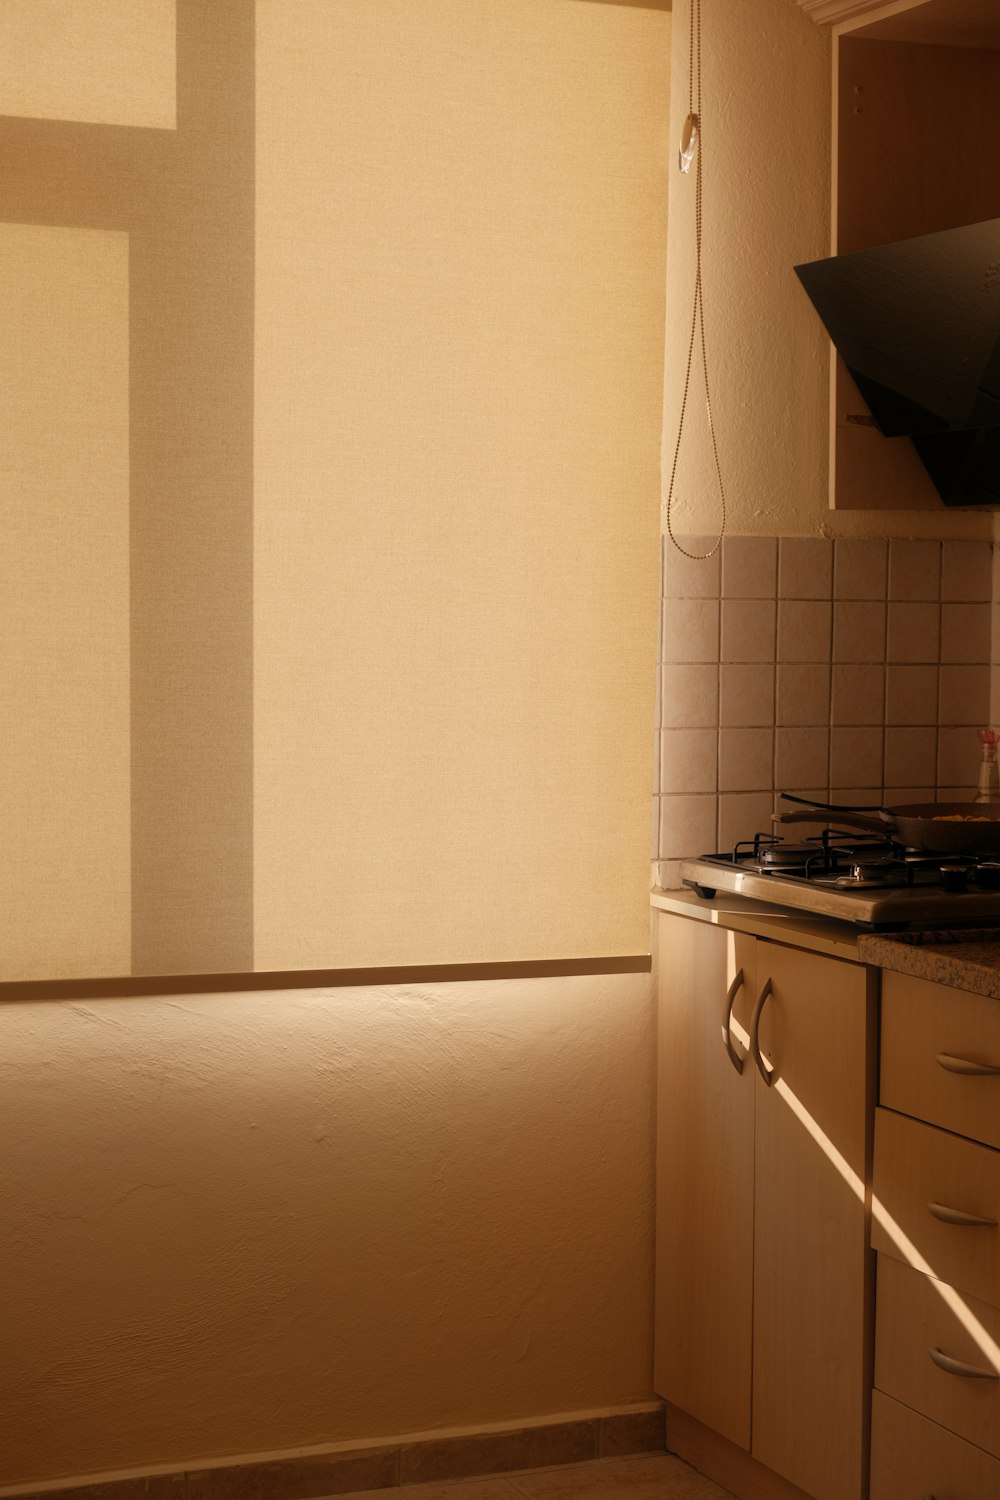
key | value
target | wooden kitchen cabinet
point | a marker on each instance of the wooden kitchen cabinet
(936, 1227)
(763, 1266)
(916, 131)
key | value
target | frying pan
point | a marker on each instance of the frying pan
(939, 827)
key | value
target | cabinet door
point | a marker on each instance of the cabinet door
(812, 1270)
(704, 1251)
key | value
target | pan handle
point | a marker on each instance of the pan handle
(833, 806)
(852, 819)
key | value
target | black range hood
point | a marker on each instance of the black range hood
(917, 323)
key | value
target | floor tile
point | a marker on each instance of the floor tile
(455, 1489)
(649, 1477)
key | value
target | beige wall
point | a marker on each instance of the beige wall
(766, 108)
(244, 1223)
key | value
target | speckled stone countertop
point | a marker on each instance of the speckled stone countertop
(967, 960)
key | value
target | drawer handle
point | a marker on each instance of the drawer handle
(727, 1036)
(960, 1217)
(958, 1367)
(966, 1067)
(765, 1072)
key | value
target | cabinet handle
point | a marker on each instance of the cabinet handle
(966, 1067)
(959, 1367)
(727, 1038)
(959, 1216)
(762, 1068)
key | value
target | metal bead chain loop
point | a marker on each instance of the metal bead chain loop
(697, 308)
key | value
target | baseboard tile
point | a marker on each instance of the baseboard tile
(415, 1459)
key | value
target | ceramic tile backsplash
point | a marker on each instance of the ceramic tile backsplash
(803, 630)
(748, 630)
(848, 670)
(911, 695)
(914, 570)
(965, 632)
(858, 693)
(690, 696)
(746, 694)
(803, 693)
(860, 569)
(858, 631)
(805, 568)
(967, 572)
(749, 567)
(690, 630)
(914, 632)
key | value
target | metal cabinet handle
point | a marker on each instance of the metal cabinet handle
(959, 1367)
(762, 1068)
(727, 1038)
(966, 1067)
(960, 1217)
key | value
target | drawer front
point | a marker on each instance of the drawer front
(912, 1318)
(932, 1191)
(912, 1457)
(931, 1034)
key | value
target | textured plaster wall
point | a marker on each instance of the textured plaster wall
(243, 1223)
(766, 107)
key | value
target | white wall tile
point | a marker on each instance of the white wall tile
(965, 694)
(690, 630)
(858, 631)
(801, 758)
(958, 757)
(742, 814)
(803, 693)
(965, 632)
(914, 632)
(689, 761)
(748, 627)
(690, 697)
(687, 578)
(910, 756)
(746, 760)
(687, 826)
(914, 569)
(858, 693)
(860, 568)
(749, 567)
(803, 630)
(911, 694)
(746, 695)
(967, 571)
(856, 756)
(805, 568)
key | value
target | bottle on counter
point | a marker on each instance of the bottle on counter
(989, 776)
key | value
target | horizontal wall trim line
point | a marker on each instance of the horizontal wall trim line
(136, 987)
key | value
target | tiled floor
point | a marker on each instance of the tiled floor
(648, 1476)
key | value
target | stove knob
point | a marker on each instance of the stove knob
(954, 877)
(988, 874)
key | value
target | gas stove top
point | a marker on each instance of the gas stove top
(859, 878)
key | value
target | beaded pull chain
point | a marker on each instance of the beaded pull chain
(692, 150)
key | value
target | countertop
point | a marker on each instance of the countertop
(964, 959)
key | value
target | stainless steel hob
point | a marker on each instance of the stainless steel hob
(865, 880)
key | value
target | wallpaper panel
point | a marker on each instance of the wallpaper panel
(109, 61)
(64, 603)
(374, 682)
(458, 305)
